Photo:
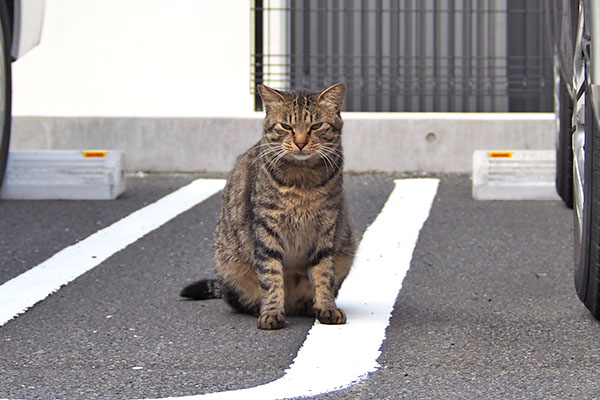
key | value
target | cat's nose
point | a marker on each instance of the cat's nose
(301, 141)
(301, 145)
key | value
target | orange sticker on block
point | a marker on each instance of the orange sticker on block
(94, 153)
(500, 154)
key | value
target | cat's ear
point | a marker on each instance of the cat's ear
(333, 95)
(270, 97)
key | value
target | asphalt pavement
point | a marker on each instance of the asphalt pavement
(487, 309)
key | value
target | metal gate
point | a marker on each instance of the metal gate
(408, 55)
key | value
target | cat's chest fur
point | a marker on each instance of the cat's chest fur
(302, 220)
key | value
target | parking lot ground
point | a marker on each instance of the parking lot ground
(487, 309)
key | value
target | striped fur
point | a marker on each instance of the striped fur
(283, 245)
(203, 290)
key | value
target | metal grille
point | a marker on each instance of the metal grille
(408, 55)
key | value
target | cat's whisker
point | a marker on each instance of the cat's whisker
(324, 153)
(338, 166)
(281, 155)
(266, 152)
(329, 152)
(329, 161)
(272, 149)
(333, 161)
(276, 158)
(326, 160)
(268, 146)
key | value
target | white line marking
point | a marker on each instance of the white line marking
(20, 293)
(336, 357)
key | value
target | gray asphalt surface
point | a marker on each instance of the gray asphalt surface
(487, 310)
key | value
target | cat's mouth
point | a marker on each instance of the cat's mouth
(302, 156)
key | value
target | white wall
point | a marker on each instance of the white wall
(142, 58)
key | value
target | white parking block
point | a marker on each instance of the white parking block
(514, 175)
(64, 175)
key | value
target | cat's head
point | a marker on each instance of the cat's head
(303, 124)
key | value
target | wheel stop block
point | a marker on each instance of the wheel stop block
(514, 175)
(64, 175)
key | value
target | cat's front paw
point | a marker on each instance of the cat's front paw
(271, 320)
(331, 316)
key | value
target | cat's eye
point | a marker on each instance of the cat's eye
(286, 127)
(316, 126)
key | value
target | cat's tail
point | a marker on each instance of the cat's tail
(202, 290)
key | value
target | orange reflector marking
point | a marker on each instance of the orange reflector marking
(94, 153)
(500, 154)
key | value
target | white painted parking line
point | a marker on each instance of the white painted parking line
(20, 293)
(334, 357)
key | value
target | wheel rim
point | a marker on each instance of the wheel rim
(578, 139)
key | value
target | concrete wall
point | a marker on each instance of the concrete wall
(437, 142)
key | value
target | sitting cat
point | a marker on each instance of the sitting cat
(283, 244)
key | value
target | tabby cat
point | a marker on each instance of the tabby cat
(283, 245)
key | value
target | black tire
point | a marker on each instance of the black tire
(564, 148)
(587, 263)
(5, 88)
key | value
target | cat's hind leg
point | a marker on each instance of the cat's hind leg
(239, 302)
(344, 258)
(239, 288)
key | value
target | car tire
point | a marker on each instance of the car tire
(564, 148)
(587, 263)
(5, 88)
